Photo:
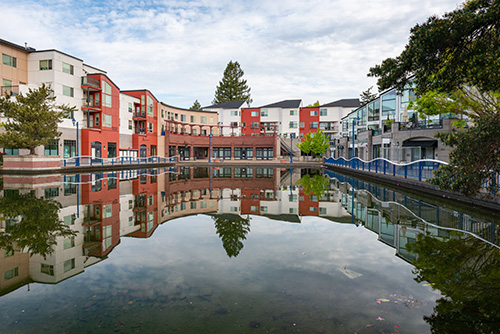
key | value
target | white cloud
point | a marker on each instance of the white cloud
(312, 50)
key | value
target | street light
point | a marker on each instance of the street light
(77, 155)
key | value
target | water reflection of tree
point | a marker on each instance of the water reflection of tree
(31, 224)
(315, 185)
(232, 229)
(467, 272)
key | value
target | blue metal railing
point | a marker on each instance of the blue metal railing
(95, 161)
(420, 170)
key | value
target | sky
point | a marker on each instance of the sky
(178, 49)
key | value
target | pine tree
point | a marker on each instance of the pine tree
(196, 106)
(366, 96)
(232, 87)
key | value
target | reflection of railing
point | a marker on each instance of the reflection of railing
(95, 161)
(420, 169)
(433, 215)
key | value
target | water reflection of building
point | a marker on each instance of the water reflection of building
(104, 207)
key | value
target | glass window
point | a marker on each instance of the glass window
(69, 220)
(11, 273)
(107, 120)
(130, 125)
(314, 125)
(45, 65)
(6, 85)
(255, 113)
(11, 151)
(68, 91)
(69, 243)
(323, 112)
(130, 107)
(183, 118)
(47, 269)
(389, 104)
(193, 119)
(264, 113)
(67, 68)
(293, 112)
(314, 113)
(51, 192)
(302, 124)
(374, 111)
(69, 264)
(203, 120)
(234, 112)
(293, 125)
(69, 148)
(52, 148)
(9, 60)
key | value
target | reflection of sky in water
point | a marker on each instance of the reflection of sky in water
(285, 274)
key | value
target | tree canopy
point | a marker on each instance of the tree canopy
(196, 105)
(461, 48)
(318, 144)
(232, 87)
(315, 104)
(32, 119)
(366, 96)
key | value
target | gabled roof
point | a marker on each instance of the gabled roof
(284, 104)
(343, 103)
(227, 105)
(19, 47)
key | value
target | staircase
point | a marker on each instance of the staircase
(285, 147)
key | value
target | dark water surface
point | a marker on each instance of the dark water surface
(258, 252)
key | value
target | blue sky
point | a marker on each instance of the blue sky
(294, 49)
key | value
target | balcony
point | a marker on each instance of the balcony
(139, 114)
(91, 124)
(91, 104)
(91, 84)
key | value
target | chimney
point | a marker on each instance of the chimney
(26, 45)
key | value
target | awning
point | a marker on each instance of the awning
(420, 143)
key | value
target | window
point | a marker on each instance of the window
(69, 243)
(6, 85)
(255, 113)
(11, 151)
(47, 269)
(68, 91)
(264, 153)
(130, 123)
(314, 125)
(69, 220)
(150, 127)
(9, 60)
(183, 206)
(301, 124)
(234, 124)
(211, 119)
(45, 65)
(389, 104)
(292, 198)
(263, 209)
(107, 211)
(293, 125)
(69, 264)
(254, 125)
(254, 208)
(314, 113)
(11, 273)
(292, 210)
(233, 209)
(323, 112)
(313, 209)
(130, 107)
(106, 94)
(107, 120)
(150, 106)
(8, 253)
(69, 148)
(52, 148)
(264, 113)
(51, 192)
(293, 112)
(183, 118)
(67, 68)
(193, 205)
(234, 112)
(193, 119)
(322, 211)
(203, 120)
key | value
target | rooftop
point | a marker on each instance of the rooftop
(343, 103)
(284, 104)
(227, 105)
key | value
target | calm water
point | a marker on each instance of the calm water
(241, 251)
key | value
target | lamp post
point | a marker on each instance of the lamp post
(291, 147)
(210, 147)
(77, 163)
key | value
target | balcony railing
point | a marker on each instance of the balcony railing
(91, 103)
(140, 114)
(92, 82)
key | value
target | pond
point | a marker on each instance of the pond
(241, 250)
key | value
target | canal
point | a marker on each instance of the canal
(241, 250)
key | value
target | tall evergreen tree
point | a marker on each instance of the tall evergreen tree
(366, 96)
(232, 87)
(196, 105)
(32, 119)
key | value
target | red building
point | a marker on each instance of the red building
(250, 121)
(145, 136)
(309, 120)
(101, 108)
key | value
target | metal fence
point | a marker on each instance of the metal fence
(94, 161)
(420, 170)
